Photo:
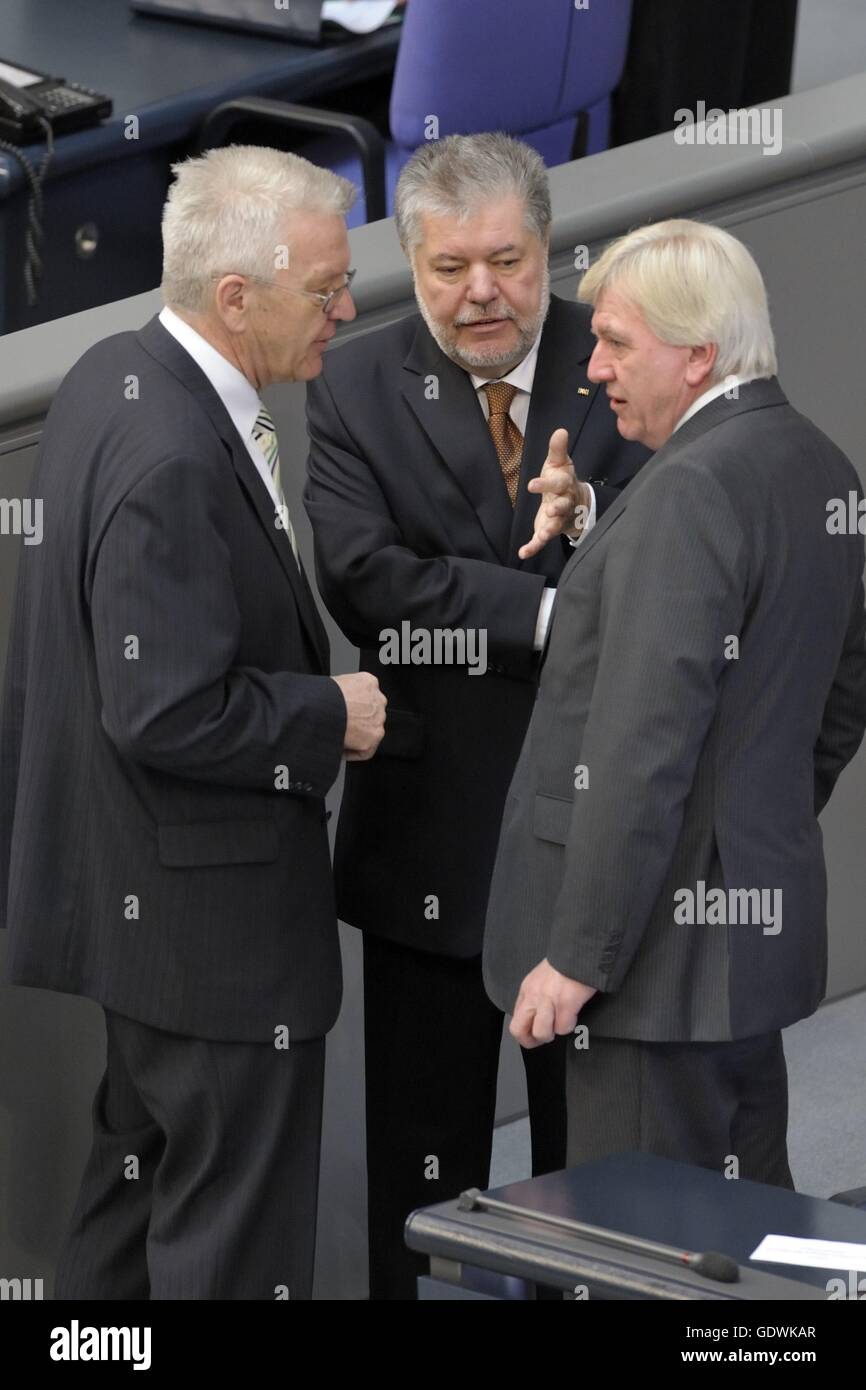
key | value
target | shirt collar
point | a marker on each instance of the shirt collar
(238, 395)
(710, 395)
(521, 376)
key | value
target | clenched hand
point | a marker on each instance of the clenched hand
(365, 715)
(548, 1003)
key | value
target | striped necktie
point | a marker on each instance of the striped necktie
(265, 435)
(506, 436)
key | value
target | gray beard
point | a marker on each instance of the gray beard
(528, 330)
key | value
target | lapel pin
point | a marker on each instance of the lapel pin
(583, 390)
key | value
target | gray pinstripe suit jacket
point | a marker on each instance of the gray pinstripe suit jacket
(151, 855)
(706, 770)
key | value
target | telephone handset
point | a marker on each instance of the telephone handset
(27, 98)
(34, 108)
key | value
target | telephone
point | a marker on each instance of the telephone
(27, 96)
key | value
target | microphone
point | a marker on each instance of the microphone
(710, 1264)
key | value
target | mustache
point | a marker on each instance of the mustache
(506, 312)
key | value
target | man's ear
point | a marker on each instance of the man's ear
(231, 301)
(700, 365)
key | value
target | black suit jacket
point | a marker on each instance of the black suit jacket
(166, 661)
(412, 522)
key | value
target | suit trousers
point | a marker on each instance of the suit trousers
(696, 1102)
(432, 1040)
(202, 1181)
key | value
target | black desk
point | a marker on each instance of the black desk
(674, 1203)
(169, 75)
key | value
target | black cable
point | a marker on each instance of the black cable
(33, 235)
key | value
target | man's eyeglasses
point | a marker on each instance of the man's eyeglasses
(326, 301)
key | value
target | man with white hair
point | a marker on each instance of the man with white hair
(442, 495)
(169, 733)
(659, 889)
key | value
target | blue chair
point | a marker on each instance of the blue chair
(543, 73)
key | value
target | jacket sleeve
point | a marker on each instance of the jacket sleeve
(371, 580)
(166, 632)
(669, 600)
(12, 725)
(845, 711)
(605, 494)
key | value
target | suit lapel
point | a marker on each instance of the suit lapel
(560, 373)
(161, 345)
(261, 501)
(755, 395)
(443, 400)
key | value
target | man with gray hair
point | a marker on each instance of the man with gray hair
(660, 888)
(169, 733)
(430, 517)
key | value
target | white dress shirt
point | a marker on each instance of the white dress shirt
(238, 395)
(522, 376)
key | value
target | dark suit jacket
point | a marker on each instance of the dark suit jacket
(702, 766)
(412, 522)
(165, 660)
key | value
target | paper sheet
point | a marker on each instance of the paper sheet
(361, 16)
(817, 1254)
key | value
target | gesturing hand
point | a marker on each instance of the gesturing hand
(565, 501)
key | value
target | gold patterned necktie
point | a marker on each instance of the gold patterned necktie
(506, 436)
(265, 435)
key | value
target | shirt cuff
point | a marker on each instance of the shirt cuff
(543, 623)
(590, 520)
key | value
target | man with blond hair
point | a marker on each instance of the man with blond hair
(169, 733)
(659, 888)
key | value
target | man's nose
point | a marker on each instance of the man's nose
(482, 287)
(344, 308)
(599, 368)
